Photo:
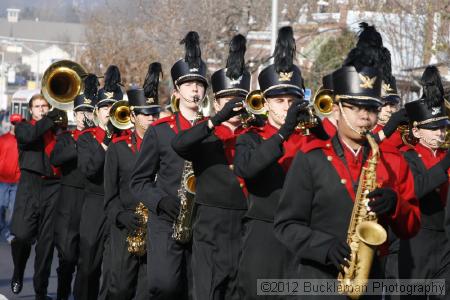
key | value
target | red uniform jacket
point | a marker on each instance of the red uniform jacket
(9, 159)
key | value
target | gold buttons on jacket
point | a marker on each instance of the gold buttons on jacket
(171, 126)
(129, 145)
(328, 145)
(241, 185)
(343, 181)
(329, 157)
(231, 167)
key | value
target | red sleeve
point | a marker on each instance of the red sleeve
(405, 221)
(395, 139)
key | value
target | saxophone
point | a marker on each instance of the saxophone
(182, 227)
(137, 240)
(364, 233)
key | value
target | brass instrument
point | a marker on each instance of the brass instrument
(182, 227)
(364, 233)
(62, 82)
(323, 102)
(119, 115)
(254, 103)
(204, 106)
(137, 240)
(446, 144)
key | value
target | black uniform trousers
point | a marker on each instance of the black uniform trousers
(92, 241)
(67, 235)
(33, 221)
(169, 270)
(422, 257)
(263, 257)
(216, 247)
(128, 273)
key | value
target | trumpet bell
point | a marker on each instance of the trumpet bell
(120, 115)
(323, 102)
(62, 82)
(254, 103)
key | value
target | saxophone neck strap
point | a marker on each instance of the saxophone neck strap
(338, 148)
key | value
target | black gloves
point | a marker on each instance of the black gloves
(108, 134)
(129, 220)
(445, 162)
(397, 118)
(293, 117)
(87, 123)
(228, 111)
(170, 205)
(337, 254)
(56, 115)
(384, 202)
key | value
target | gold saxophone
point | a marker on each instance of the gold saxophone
(137, 241)
(364, 233)
(182, 227)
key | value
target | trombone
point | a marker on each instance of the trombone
(120, 115)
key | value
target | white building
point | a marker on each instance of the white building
(40, 60)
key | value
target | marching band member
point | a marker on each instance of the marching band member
(168, 261)
(128, 271)
(316, 203)
(68, 210)
(220, 195)
(263, 156)
(91, 148)
(422, 255)
(36, 197)
(390, 115)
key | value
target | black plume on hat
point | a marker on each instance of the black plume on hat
(192, 47)
(112, 79)
(433, 91)
(369, 52)
(91, 87)
(236, 57)
(151, 82)
(284, 50)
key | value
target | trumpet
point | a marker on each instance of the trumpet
(323, 102)
(120, 115)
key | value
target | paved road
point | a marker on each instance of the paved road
(6, 270)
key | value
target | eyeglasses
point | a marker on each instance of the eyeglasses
(358, 109)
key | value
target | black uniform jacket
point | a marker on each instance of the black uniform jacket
(211, 152)
(263, 159)
(33, 139)
(65, 155)
(91, 159)
(317, 201)
(431, 184)
(120, 159)
(157, 158)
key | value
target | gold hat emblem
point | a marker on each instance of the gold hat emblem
(109, 95)
(150, 100)
(367, 82)
(285, 76)
(87, 101)
(387, 88)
